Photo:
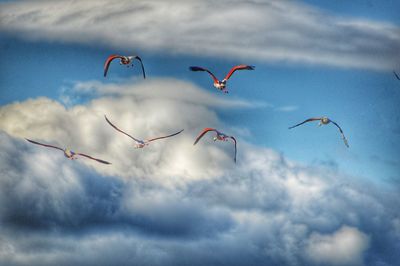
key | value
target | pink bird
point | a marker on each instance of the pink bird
(124, 60)
(140, 143)
(219, 136)
(221, 84)
(68, 153)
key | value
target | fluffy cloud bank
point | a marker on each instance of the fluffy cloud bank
(251, 30)
(343, 247)
(172, 203)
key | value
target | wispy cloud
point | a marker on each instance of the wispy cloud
(172, 198)
(269, 31)
(164, 88)
(286, 108)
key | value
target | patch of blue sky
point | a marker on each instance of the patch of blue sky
(387, 10)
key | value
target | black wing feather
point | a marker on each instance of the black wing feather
(234, 140)
(111, 124)
(305, 121)
(141, 63)
(341, 132)
(46, 145)
(165, 136)
(90, 157)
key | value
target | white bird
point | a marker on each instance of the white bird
(324, 121)
(68, 153)
(140, 143)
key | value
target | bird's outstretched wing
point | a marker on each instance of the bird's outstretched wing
(111, 124)
(397, 76)
(341, 132)
(108, 61)
(207, 129)
(165, 136)
(239, 67)
(90, 157)
(141, 63)
(196, 68)
(46, 145)
(305, 121)
(234, 140)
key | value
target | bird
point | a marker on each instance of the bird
(68, 153)
(397, 76)
(140, 143)
(324, 121)
(219, 136)
(221, 84)
(124, 60)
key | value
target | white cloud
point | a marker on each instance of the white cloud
(176, 90)
(343, 247)
(287, 108)
(272, 31)
(144, 110)
(172, 198)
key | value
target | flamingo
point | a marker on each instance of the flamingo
(219, 136)
(140, 143)
(324, 121)
(124, 60)
(221, 84)
(68, 153)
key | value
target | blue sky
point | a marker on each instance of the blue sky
(321, 58)
(357, 99)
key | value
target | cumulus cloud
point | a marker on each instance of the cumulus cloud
(172, 203)
(271, 31)
(343, 247)
(152, 109)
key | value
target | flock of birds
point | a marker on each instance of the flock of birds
(218, 84)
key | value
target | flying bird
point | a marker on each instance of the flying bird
(140, 143)
(123, 60)
(68, 153)
(324, 121)
(397, 76)
(221, 84)
(219, 136)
